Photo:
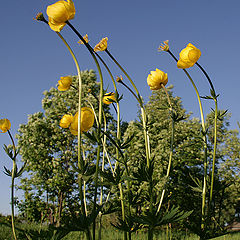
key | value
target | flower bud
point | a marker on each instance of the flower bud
(60, 12)
(5, 125)
(188, 56)
(64, 83)
(156, 78)
(87, 120)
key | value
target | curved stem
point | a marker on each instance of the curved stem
(129, 78)
(99, 118)
(205, 147)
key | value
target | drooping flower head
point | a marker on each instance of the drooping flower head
(64, 83)
(188, 56)
(156, 78)
(102, 45)
(164, 46)
(87, 120)
(108, 98)
(66, 120)
(5, 125)
(60, 12)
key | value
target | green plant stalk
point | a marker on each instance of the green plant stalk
(80, 160)
(100, 122)
(14, 169)
(171, 148)
(144, 119)
(205, 147)
(214, 96)
(214, 150)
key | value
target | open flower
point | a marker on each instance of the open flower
(108, 98)
(87, 120)
(60, 12)
(156, 78)
(64, 83)
(188, 56)
(102, 45)
(66, 120)
(5, 125)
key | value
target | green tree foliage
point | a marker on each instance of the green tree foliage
(50, 152)
(184, 187)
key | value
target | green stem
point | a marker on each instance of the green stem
(129, 78)
(215, 129)
(12, 185)
(12, 199)
(171, 148)
(205, 147)
(214, 149)
(80, 160)
(100, 122)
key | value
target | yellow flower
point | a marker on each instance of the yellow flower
(102, 45)
(164, 46)
(64, 83)
(156, 78)
(5, 125)
(85, 38)
(60, 12)
(108, 98)
(87, 120)
(66, 120)
(188, 56)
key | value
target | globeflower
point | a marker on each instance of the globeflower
(102, 45)
(5, 125)
(60, 12)
(188, 56)
(156, 78)
(108, 98)
(87, 120)
(64, 83)
(66, 120)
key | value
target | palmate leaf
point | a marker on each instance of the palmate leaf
(156, 219)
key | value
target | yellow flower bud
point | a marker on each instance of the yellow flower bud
(108, 98)
(60, 12)
(188, 56)
(5, 125)
(66, 120)
(87, 120)
(102, 45)
(156, 78)
(64, 83)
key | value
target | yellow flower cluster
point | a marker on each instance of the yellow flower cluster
(60, 12)
(108, 98)
(156, 78)
(5, 125)
(87, 121)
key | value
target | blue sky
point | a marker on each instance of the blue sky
(33, 57)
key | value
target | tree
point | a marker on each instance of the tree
(50, 152)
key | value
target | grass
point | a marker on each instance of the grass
(109, 234)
